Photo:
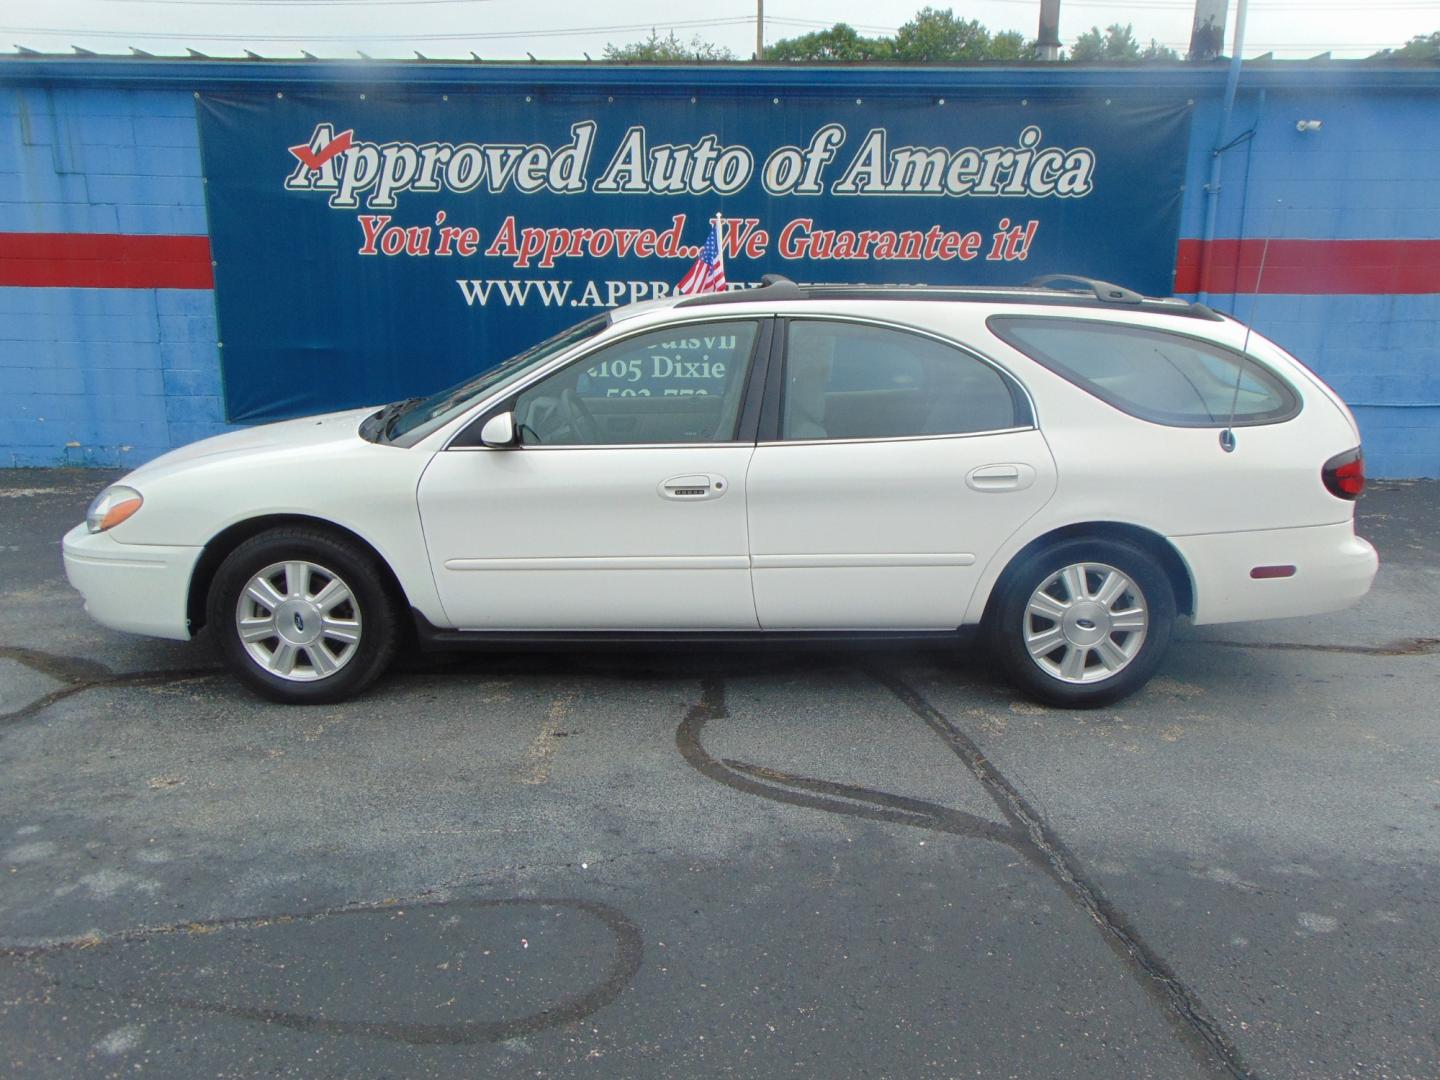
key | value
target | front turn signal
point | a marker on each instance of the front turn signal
(115, 504)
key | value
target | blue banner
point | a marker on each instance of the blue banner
(372, 247)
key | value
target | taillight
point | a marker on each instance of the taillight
(1344, 474)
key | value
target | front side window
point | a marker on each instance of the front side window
(853, 381)
(674, 385)
(421, 416)
(1156, 375)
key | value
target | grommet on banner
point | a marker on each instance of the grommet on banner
(940, 101)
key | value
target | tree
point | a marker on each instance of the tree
(1420, 47)
(1116, 43)
(1156, 51)
(669, 49)
(1010, 45)
(840, 42)
(934, 35)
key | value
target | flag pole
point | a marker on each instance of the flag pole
(719, 222)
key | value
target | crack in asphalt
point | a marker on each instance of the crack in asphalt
(629, 954)
(1420, 646)
(1027, 834)
(79, 674)
(1157, 975)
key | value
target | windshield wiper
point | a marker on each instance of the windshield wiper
(385, 419)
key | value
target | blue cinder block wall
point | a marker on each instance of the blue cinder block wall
(1370, 172)
(103, 376)
(116, 375)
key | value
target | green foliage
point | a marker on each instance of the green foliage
(1010, 45)
(840, 42)
(669, 49)
(1156, 51)
(932, 36)
(1420, 47)
(1116, 43)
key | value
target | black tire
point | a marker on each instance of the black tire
(1010, 622)
(375, 611)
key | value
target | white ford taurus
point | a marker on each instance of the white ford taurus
(1067, 470)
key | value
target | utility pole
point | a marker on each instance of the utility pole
(1207, 32)
(759, 30)
(1047, 42)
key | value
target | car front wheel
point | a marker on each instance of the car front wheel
(302, 616)
(1083, 622)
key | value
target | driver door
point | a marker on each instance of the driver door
(623, 505)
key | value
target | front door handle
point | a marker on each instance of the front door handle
(1006, 477)
(693, 487)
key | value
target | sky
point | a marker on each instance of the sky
(563, 29)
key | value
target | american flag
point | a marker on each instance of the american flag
(708, 273)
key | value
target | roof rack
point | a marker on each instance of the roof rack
(1045, 290)
(1101, 290)
(772, 287)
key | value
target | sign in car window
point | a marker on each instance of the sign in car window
(380, 245)
(694, 363)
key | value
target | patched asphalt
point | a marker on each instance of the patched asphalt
(671, 863)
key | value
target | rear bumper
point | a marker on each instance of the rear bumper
(1333, 569)
(140, 588)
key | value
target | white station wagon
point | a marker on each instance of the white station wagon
(1065, 469)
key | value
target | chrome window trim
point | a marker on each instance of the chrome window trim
(901, 438)
(605, 446)
(904, 328)
(523, 383)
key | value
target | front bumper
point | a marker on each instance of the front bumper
(1333, 569)
(139, 588)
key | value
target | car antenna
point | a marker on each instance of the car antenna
(1227, 437)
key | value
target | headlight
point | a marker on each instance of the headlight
(112, 506)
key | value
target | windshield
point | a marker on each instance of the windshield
(437, 408)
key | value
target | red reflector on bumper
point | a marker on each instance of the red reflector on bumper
(1272, 572)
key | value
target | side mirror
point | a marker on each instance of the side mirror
(499, 430)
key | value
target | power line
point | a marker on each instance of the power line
(193, 35)
(1151, 5)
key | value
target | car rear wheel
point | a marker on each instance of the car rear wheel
(302, 616)
(1083, 622)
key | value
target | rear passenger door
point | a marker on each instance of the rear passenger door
(891, 465)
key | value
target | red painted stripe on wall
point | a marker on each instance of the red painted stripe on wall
(1316, 267)
(105, 261)
(1311, 267)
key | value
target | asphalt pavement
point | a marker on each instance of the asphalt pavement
(669, 863)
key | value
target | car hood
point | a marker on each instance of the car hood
(304, 433)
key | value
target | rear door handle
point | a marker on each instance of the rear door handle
(693, 487)
(1004, 477)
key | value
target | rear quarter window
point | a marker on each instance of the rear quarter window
(1156, 375)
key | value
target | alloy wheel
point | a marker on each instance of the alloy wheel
(1085, 622)
(298, 621)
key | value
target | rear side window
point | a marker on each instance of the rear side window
(1155, 375)
(856, 381)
